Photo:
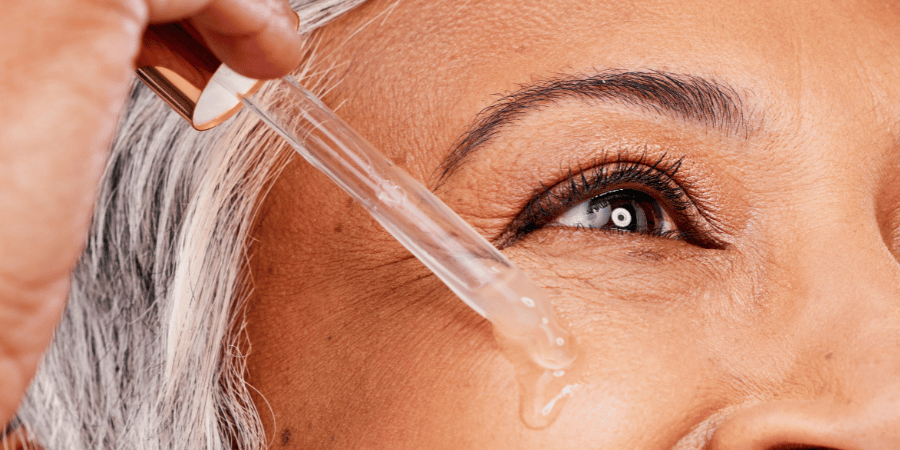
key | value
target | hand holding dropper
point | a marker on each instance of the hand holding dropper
(67, 68)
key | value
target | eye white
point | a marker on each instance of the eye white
(582, 216)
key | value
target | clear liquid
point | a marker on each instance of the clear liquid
(542, 392)
(523, 314)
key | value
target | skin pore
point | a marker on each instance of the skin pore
(769, 319)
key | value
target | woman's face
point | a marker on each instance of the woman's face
(748, 298)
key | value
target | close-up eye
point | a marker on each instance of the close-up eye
(638, 197)
(625, 210)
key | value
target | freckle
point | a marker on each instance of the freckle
(350, 202)
(339, 228)
(829, 355)
(332, 438)
(285, 437)
(329, 338)
(309, 425)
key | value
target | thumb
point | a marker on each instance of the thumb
(257, 38)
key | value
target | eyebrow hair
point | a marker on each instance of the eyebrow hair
(687, 97)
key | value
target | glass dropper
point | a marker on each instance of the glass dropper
(463, 259)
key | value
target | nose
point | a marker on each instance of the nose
(845, 393)
(814, 425)
(858, 409)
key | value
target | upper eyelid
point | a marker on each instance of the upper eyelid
(611, 173)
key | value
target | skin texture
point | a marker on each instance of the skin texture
(785, 334)
(67, 66)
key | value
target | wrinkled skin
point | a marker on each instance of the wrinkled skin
(784, 332)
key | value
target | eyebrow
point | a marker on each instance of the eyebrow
(687, 97)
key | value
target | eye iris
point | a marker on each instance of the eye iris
(626, 210)
(620, 210)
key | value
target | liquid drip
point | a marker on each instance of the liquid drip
(542, 392)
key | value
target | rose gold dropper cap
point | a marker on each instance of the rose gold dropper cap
(176, 64)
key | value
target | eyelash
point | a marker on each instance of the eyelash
(653, 177)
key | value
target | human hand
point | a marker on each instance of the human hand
(64, 78)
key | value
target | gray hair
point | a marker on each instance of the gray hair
(150, 350)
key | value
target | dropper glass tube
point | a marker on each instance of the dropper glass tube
(463, 259)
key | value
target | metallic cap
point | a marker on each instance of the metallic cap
(176, 65)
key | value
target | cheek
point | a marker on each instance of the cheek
(654, 324)
(350, 335)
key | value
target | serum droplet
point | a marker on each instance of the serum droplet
(542, 392)
(542, 395)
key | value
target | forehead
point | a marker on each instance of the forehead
(415, 73)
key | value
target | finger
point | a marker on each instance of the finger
(257, 39)
(162, 11)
